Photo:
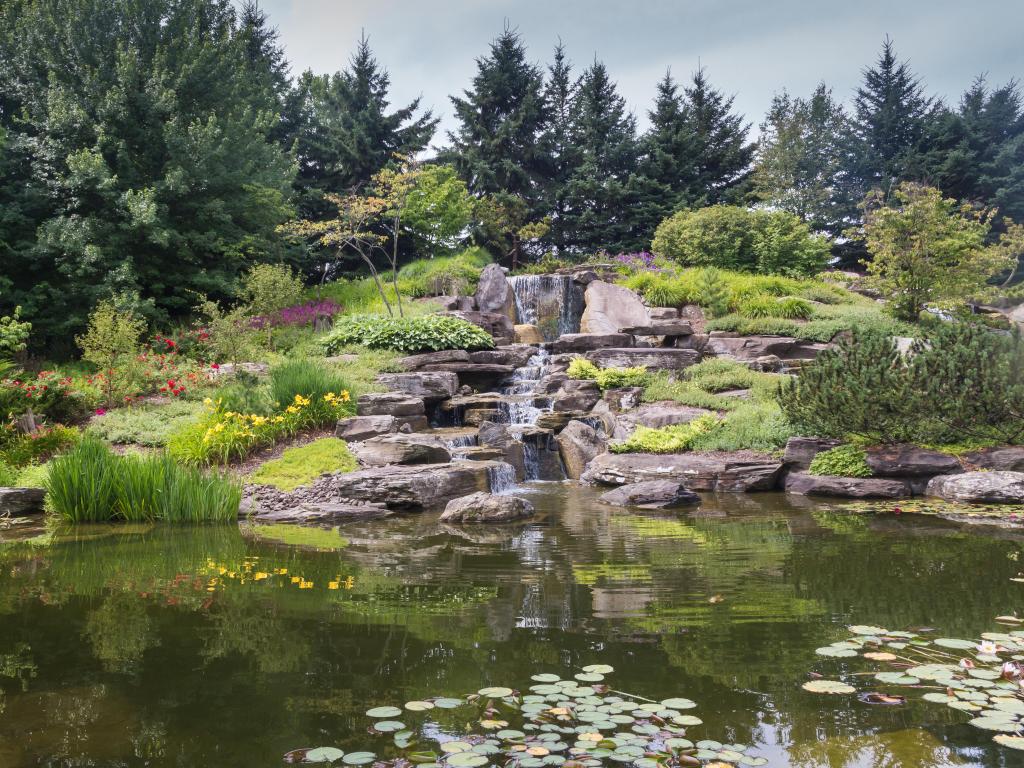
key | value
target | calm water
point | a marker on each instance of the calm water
(189, 648)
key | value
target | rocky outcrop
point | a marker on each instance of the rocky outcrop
(749, 347)
(493, 293)
(800, 451)
(576, 395)
(432, 386)
(389, 404)
(356, 428)
(657, 358)
(495, 323)
(516, 355)
(651, 494)
(486, 508)
(662, 313)
(610, 307)
(496, 437)
(415, 362)
(401, 449)
(979, 487)
(584, 342)
(663, 413)
(20, 502)
(527, 333)
(847, 487)
(578, 445)
(410, 488)
(623, 398)
(1006, 459)
(660, 328)
(910, 461)
(740, 471)
(282, 509)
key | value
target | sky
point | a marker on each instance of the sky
(749, 49)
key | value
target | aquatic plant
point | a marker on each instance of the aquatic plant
(982, 678)
(576, 723)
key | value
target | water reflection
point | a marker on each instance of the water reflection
(146, 645)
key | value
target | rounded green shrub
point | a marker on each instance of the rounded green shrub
(426, 333)
(841, 461)
(788, 307)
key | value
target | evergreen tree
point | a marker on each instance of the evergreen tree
(563, 156)
(597, 198)
(891, 119)
(801, 160)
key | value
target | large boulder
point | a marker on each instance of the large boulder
(739, 471)
(979, 487)
(19, 502)
(910, 461)
(847, 487)
(1009, 458)
(325, 513)
(389, 404)
(401, 449)
(576, 395)
(415, 362)
(411, 488)
(486, 508)
(745, 348)
(578, 444)
(651, 494)
(623, 398)
(432, 386)
(516, 355)
(610, 307)
(495, 323)
(663, 413)
(493, 293)
(655, 358)
(496, 437)
(583, 342)
(356, 428)
(800, 451)
(527, 333)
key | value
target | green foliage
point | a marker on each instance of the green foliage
(268, 288)
(712, 292)
(444, 276)
(841, 461)
(730, 237)
(407, 334)
(675, 438)
(438, 210)
(581, 368)
(302, 464)
(788, 307)
(91, 484)
(111, 343)
(608, 378)
(314, 380)
(18, 449)
(244, 393)
(232, 336)
(147, 425)
(13, 334)
(829, 321)
(699, 384)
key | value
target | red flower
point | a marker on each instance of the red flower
(214, 366)
(100, 411)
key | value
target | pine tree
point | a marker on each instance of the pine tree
(597, 194)
(891, 118)
(563, 156)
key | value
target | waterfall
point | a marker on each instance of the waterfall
(502, 477)
(519, 405)
(554, 303)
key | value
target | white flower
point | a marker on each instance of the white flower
(988, 648)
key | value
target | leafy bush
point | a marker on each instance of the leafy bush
(92, 484)
(581, 368)
(18, 449)
(841, 461)
(111, 343)
(269, 288)
(788, 307)
(13, 334)
(675, 438)
(446, 276)
(147, 425)
(48, 394)
(407, 334)
(607, 378)
(244, 393)
(730, 237)
(699, 384)
(302, 464)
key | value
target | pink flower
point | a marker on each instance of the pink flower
(214, 366)
(100, 411)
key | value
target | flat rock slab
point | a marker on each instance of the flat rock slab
(415, 487)
(660, 328)
(663, 413)
(324, 513)
(486, 508)
(1006, 459)
(847, 487)
(401, 449)
(670, 358)
(470, 370)
(431, 386)
(739, 471)
(415, 362)
(800, 451)
(651, 494)
(356, 428)
(584, 342)
(390, 404)
(979, 487)
(20, 502)
(910, 461)
(516, 355)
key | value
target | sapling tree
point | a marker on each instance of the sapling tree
(269, 288)
(111, 343)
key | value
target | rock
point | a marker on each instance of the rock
(910, 461)
(979, 487)
(657, 358)
(454, 303)
(541, 454)
(412, 488)
(326, 513)
(20, 502)
(1007, 459)
(401, 449)
(747, 348)
(768, 364)
(651, 494)
(479, 453)
(662, 313)
(584, 276)
(576, 395)
(496, 324)
(496, 437)
(516, 355)
(389, 404)
(477, 416)
(556, 420)
(847, 487)
(486, 508)
(610, 307)
(800, 451)
(578, 444)
(414, 362)
(623, 398)
(472, 370)
(230, 369)
(432, 386)
(582, 342)
(527, 333)
(663, 413)
(493, 293)
(660, 328)
(739, 471)
(1016, 315)
(356, 428)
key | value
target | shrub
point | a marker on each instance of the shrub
(269, 288)
(314, 381)
(712, 292)
(19, 449)
(302, 464)
(111, 342)
(244, 393)
(48, 394)
(788, 307)
(581, 368)
(92, 484)
(841, 461)
(607, 378)
(742, 239)
(13, 334)
(407, 334)
(675, 438)
(446, 276)
(146, 425)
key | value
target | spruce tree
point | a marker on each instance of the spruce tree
(563, 156)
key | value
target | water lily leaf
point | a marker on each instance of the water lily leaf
(984, 674)
(880, 656)
(589, 677)
(839, 653)
(546, 677)
(994, 724)
(601, 669)
(445, 703)
(538, 751)
(418, 706)
(382, 712)
(952, 642)
(730, 755)
(531, 762)
(965, 706)
(897, 678)
(709, 744)
(678, 743)
(495, 692)
(450, 747)
(863, 629)
(1009, 619)
(1013, 742)
(676, 704)
(686, 720)
(827, 686)
(322, 755)
(749, 760)
(358, 758)
(388, 726)
(422, 757)
(938, 698)
(466, 760)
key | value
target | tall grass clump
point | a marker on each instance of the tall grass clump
(313, 380)
(91, 484)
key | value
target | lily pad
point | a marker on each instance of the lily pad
(677, 704)
(389, 726)
(445, 703)
(953, 642)
(589, 677)
(358, 758)
(466, 760)
(546, 677)
(418, 706)
(382, 712)
(838, 653)
(897, 678)
(1013, 742)
(865, 629)
(601, 669)
(496, 692)
(995, 724)
(827, 686)
(323, 755)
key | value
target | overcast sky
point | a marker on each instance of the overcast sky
(750, 49)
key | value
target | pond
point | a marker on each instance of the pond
(140, 646)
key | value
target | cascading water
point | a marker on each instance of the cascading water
(519, 405)
(502, 477)
(554, 303)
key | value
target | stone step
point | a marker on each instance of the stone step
(583, 342)
(662, 328)
(652, 358)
